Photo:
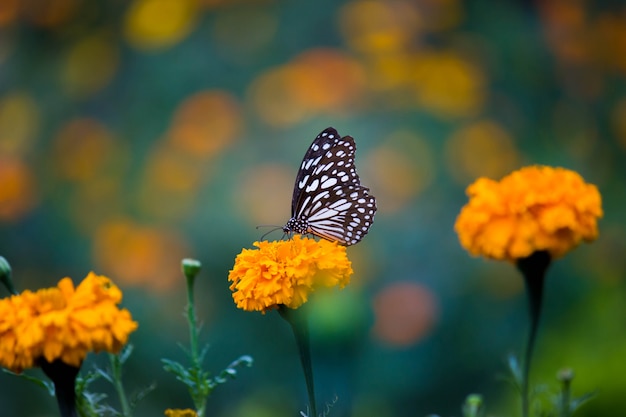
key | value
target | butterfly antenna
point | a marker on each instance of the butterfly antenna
(274, 228)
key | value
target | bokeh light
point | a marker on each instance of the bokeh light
(139, 255)
(170, 183)
(327, 80)
(272, 99)
(448, 85)
(319, 81)
(19, 123)
(398, 170)
(205, 123)
(84, 149)
(8, 11)
(158, 24)
(264, 195)
(380, 27)
(483, 148)
(49, 13)
(405, 312)
(243, 33)
(18, 192)
(90, 65)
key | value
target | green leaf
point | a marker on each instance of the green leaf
(141, 394)
(125, 353)
(47, 385)
(105, 374)
(579, 401)
(231, 370)
(516, 370)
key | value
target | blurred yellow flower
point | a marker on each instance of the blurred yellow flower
(482, 148)
(20, 120)
(180, 413)
(159, 24)
(537, 208)
(448, 85)
(286, 272)
(380, 27)
(63, 323)
(90, 64)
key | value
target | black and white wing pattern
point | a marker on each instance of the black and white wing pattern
(328, 198)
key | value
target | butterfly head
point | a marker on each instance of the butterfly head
(299, 226)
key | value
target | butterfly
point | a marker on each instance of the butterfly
(328, 198)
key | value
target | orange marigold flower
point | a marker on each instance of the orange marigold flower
(286, 272)
(537, 208)
(180, 413)
(63, 323)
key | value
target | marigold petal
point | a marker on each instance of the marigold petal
(533, 209)
(63, 323)
(286, 272)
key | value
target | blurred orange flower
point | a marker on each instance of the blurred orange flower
(206, 123)
(139, 255)
(537, 208)
(18, 194)
(320, 80)
(63, 323)
(286, 272)
(405, 313)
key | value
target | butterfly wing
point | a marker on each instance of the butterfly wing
(310, 163)
(328, 199)
(346, 217)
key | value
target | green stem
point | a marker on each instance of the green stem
(533, 269)
(200, 400)
(190, 268)
(193, 328)
(63, 377)
(297, 319)
(565, 376)
(116, 369)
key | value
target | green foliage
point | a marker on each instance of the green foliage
(46, 384)
(327, 409)
(199, 381)
(90, 404)
(544, 402)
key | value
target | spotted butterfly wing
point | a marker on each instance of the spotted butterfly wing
(328, 198)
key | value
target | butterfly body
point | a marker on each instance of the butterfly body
(328, 198)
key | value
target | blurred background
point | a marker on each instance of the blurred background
(136, 133)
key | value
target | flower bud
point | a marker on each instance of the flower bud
(565, 375)
(191, 267)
